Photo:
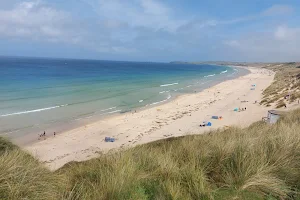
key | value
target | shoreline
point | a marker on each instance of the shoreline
(154, 123)
(61, 128)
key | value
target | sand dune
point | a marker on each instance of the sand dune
(176, 118)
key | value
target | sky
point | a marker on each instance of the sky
(152, 30)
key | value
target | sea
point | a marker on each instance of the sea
(55, 95)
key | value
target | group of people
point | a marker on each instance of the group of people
(243, 109)
(43, 135)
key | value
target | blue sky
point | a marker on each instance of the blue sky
(152, 30)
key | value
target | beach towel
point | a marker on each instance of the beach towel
(109, 139)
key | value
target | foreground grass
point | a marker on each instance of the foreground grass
(258, 162)
(23, 177)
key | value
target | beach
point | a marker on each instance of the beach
(178, 117)
(56, 95)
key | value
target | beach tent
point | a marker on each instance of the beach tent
(215, 117)
(236, 109)
(208, 124)
(273, 116)
(254, 85)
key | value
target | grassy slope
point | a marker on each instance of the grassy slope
(287, 81)
(23, 177)
(258, 162)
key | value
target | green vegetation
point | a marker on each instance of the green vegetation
(287, 82)
(23, 177)
(258, 162)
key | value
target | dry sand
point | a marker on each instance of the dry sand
(179, 117)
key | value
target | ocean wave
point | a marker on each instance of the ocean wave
(140, 101)
(205, 82)
(83, 118)
(189, 86)
(115, 111)
(108, 109)
(169, 97)
(101, 113)
(169, 84)
(164, 92)
(223, 72)
(33, 111)
(209, 75)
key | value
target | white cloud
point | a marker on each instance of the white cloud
(279, 44)
(144, 27)
(281, 33)
(279, 10)
(33, 19)
(140, 13)
(232, 43)
(286, 33)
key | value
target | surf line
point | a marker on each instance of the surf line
(32, 111)
(169, 84)
(209, 75)
(169, 97)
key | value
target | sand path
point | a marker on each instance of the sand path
(179, 117)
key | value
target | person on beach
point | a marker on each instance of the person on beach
(54, 134)
(44, 134)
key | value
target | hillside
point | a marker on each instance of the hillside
(285, 89)
(258, 162)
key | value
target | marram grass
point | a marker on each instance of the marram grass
(258, 162)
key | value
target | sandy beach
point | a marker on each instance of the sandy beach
(176, 118)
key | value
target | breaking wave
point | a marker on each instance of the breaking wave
(169, 97)
(169, 84)
(209, 75)
(33, 111)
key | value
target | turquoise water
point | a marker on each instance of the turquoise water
(51, 94)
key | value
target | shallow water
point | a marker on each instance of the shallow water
(49, 94)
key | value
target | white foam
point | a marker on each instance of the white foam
(189, 86)
(169, 97)
(83, 118)
(141, 101)
(169, 84)
(111, 112)
(164, 92)
(114, 111)
(209, 75)
(223, 72)
(32, 111)
(108, 109)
